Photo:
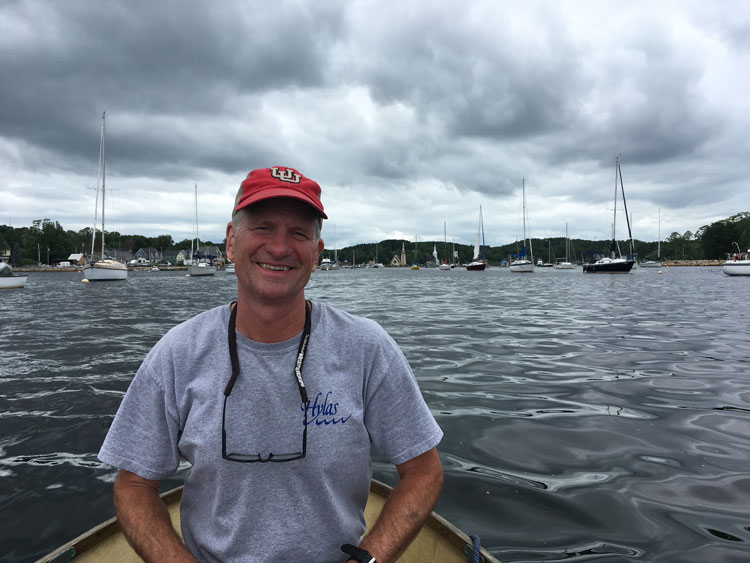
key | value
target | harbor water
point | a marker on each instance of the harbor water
(586, 417)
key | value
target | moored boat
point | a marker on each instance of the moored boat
(9, 280)
(201, 267)
(104, 269)
(439, 541)
(615, 263)
(521, 263)
(650, 263)
(477, 265)
(737, 264)
(565, 264)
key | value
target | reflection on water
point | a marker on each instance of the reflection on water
(586, 418)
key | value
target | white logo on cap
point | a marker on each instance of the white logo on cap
(286, 175)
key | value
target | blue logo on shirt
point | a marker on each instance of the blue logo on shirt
(323, 410)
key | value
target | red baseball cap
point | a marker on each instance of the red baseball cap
(278, 181)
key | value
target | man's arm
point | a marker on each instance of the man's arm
(407, 508)
(145, 520)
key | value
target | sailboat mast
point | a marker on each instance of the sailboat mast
(523, 213)
(625, 206)
(484, 246)
(98, 179)
(614, 210)
(658, 242)
(445, 243)
(197, 237)
(103, 159)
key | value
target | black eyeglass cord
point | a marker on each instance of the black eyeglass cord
(301, 351)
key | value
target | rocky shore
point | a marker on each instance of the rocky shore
(673, 263)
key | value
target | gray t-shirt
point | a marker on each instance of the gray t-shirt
(360, 390)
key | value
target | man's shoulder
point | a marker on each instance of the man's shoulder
(333, 314)
(345, 325)
(202, 324)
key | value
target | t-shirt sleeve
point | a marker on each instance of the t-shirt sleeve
(144, 435)
(397, 418)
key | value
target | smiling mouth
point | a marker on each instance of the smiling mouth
(274, 268)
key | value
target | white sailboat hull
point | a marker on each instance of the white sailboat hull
(522, 266)
(650, 264)
(565, 266)
(201, 269)
(105, 270)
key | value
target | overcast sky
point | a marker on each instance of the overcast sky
(409, 114)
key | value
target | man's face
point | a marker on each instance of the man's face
(275, 250)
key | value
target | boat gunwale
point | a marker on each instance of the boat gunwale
(108, 528)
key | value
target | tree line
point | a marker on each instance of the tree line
(46, 241)
(710, 242)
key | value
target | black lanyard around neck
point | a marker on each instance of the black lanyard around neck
(300, 352)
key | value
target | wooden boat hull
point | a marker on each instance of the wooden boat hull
(439, 541)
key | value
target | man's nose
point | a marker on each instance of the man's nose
(279, 243)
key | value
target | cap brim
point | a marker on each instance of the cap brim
(270, 193)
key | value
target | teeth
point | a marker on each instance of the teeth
(276, 268)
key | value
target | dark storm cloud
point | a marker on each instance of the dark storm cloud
(428, 108)
(70, 60)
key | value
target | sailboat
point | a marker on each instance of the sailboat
(655, 263)
(415, 266)
(103, 269)
(522, 264)
(444, 265)
(477, 264)
(202, 267)
(614, 263)
(566, 264)
(377, 264)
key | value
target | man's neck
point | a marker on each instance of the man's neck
(270, 323)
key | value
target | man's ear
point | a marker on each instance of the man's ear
(321, 246)
(230, 240)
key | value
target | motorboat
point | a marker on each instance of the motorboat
(9, 280)
(738, 263)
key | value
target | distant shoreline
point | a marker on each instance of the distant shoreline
(666, 264)
(53, 269)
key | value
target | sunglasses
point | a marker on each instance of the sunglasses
(272, 457)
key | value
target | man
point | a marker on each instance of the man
(278, 424)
